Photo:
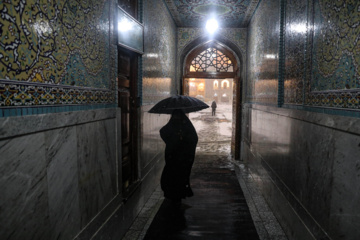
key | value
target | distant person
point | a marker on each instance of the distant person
(180, 138)
(213, 108)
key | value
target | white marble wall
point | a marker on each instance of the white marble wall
(152, 146)
(57, 172)
(313, 159)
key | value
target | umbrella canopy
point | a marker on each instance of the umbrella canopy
(186, 103)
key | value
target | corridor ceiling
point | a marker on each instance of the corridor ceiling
(195, 13)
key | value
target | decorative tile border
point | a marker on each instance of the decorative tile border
(13, 94)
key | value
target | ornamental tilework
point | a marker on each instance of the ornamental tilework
(263, 49)
(230, 13)
(295, 40)
(16, 95)
(235, 35)
(187, 35)
(334, 76)
(55, 53)
(159, 59)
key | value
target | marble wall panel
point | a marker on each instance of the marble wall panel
(263, 53)
(97, 167)
(23, 185)
(152, 145)
(345, 195)
(312, 159)
(63, 187)
(11, 127)
(315, 163)
(305, 165)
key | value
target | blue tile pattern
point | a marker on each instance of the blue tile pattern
(334, 78)
(59, 55)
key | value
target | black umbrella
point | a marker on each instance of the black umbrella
(186, 103)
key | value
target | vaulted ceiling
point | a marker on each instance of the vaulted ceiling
(195, 13)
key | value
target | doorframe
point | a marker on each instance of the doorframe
(232, 51)
(134, 121)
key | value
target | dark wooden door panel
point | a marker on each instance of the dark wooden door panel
(127, 85)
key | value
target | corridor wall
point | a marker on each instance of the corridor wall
(156, 81)
(59, 125)
(301, 117)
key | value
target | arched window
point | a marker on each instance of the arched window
(211, 60)
(225, 84)
(216, 85)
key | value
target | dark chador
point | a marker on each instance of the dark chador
(180, 138)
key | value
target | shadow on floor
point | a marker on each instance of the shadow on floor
(218, 209)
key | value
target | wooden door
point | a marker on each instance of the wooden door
(236, 106)
(127, 75)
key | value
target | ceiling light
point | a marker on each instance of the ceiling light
(212, 25)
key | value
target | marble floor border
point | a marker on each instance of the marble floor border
(265, 222)
(142, 222)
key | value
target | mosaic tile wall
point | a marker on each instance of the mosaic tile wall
(321, 54)
(334, 59)
(55, 54)
(235, 35)
(295, 40)
(159, 59)
(190, 13)
(263, 54)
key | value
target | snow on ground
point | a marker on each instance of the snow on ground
(214, 132)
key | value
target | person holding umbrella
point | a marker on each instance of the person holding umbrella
(181, 139)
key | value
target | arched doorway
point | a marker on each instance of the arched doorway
(215, 61)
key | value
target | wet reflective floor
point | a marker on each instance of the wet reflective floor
(226, 204)
(218, 209)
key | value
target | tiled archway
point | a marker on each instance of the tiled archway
(187, 60)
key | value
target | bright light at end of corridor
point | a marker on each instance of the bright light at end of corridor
(212, 25)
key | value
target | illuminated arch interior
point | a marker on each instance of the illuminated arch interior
(211, 60)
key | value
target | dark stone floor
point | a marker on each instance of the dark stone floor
(218, 209)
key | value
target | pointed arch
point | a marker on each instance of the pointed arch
(234, 53)
(218, 39)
